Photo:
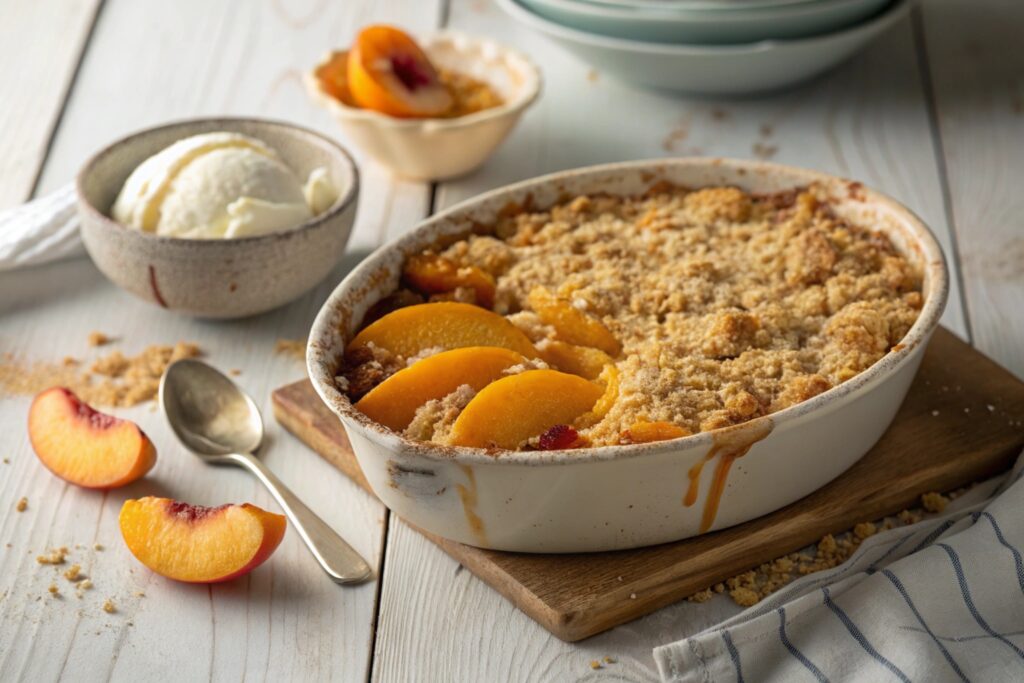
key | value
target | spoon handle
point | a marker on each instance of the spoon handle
(338, 559)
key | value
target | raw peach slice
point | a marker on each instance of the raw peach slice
(571, 324)
(447, 325)
(389, 73)
(199, 544)
(648, 432)
(585, 361)
(610, 378)
(86, 447)
(434, 274)
(515, 408)
(394, 401)
(333, 77)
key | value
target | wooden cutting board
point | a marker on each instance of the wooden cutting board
(961, 422)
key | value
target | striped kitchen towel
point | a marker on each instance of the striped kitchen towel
(940, 600)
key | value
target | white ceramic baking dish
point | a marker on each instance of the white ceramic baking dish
(617, 497)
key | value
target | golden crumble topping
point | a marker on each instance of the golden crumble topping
(722, 305)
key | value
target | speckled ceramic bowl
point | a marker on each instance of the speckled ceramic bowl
(616, 497)
(217, 278)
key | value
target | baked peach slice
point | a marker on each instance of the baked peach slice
(444, 325)
(435, 274)
(585, 361)
(198, 544)
(571, 324)
(609, 378)
(649, 432)
(86, 447)
(389, 73)
(513, 409)
(393, 402)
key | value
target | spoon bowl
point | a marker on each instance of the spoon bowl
(218, 421)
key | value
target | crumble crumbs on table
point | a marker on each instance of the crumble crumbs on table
(74, 573)
(752, 586)
(54, 556)
(98, 339)
(109, 607)
(111, 380)
(595, 664)
(22, 504)
(293, 348)
(54, 591)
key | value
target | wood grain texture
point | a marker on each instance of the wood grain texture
(149, 62)
(852, 122)
(977, 71)
(975, 433)
(40, 45)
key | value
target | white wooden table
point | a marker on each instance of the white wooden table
(932, 113)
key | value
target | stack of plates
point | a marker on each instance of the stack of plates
(711, 46)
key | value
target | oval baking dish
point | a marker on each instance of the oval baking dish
(617, 497)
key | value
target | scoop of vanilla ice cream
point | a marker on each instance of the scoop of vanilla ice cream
(219, 185)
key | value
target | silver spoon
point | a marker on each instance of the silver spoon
(217, 421)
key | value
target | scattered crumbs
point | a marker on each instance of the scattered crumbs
(7, 461)
(234, 372)
(632, 596)
(763, 151)
(69, 361)
(908, 517)
(766, 130)
(991, 409)
(98, 339)
(865, 530)
(55, 556)
(54, 591)
(97, 546)
(934, 502)
(701, 596)
(720, 114)
(744, 597)
(111, 380)
(108, 606)
(935, 413)
(85, 585)
(140, 594)
(594, 664)
(74, 573)
(295, 348)
(593, 75)
(609, 660)
(22, 504)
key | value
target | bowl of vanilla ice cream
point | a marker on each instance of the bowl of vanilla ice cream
(218, 218)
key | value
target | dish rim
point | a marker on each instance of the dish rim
(531, 91)
(319, 351)
(342, 204)
(887, 16)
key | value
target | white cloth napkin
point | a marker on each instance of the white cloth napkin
(940, 600)
(45, 229)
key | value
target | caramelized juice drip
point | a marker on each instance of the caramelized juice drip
(468, 495)
(730, 443)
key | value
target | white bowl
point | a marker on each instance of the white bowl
(616, 497)
(727, 25)
(436, 149)
(713, 69)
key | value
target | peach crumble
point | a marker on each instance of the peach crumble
(633, 319)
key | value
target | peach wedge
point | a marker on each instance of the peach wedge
(585, 361)
(445, 325)
(86, 447)
(434, 274)
(571, 324)
(198, 544)
(649, 432)
(513, 409)
(394, 401)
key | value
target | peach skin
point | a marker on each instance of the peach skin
(389, 73)
(198, 544)
(85, 447)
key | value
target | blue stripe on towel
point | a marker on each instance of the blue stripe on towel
(910, 603)
(1016, 554)
(859, 637)
(734, 655)
(815, 671)
(958, 568)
